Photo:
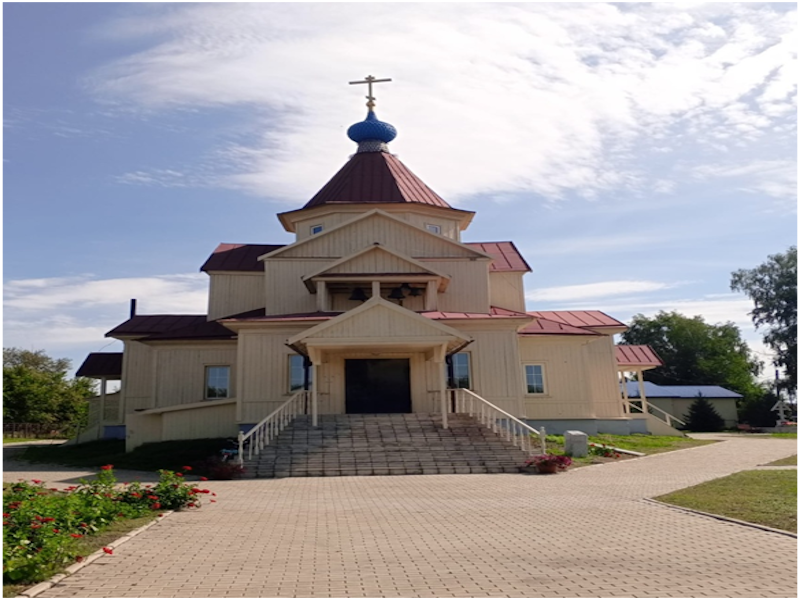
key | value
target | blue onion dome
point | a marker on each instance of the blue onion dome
(372, 134)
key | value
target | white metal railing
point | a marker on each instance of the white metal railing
(654, 410)
(502, 423)
(270, 426)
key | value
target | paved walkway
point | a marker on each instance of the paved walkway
(585, 533)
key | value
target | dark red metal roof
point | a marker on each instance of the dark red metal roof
(375, 178)
(171, 327)
(238, 257)
(495, 313)
(101, 364)
(637, 356)
(544, 327)
(505, 255)
(578, 318)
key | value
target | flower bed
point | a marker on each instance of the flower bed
(42, 527)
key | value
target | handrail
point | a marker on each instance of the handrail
(652, 407)
(270, 426)
(515, 431)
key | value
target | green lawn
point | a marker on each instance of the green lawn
(784, 462)
(646, 444)
(764, 497)
(9, 440)
(150, 457)
(789, 436)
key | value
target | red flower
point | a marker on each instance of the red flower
(196, 490)
(84, 525)
(161, 514)
(178, 474)
(155, 506)
(107, 550)
(35, 526)
(76, 535)
(136, 495)
(48, 520)
(203, 478)
(78, 559)
(56, 531)
(107, 467)
(213, 494)
(212, 500)
(191, 505)
(53, 489)
(187, 468)
(152, 497)
(36, 480)
(120, 514)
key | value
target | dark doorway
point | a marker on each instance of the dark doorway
(377, 385)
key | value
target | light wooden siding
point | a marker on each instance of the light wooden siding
(285, 291)
(357, 236)
(180, 372)
(379, 323)
(494, 360)
(200, 423)
(469, 285)
(303, 228)
(507, 290)
(340, 302)
(679, 407)
(137, 376)
(112, 414)
(263, 384)
(375, 261)
(602, 378)
(141, 429)
(450, 227)
(233, 294)
(566, 385)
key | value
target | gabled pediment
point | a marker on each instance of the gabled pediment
(381, 227)
(378, 322)
(377, 262)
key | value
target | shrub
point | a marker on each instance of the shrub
(703, 417)
(603, 450)
(220, 469)
(41, 527)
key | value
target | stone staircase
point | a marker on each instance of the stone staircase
(385, 444)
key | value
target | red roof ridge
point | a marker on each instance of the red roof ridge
(590, 319)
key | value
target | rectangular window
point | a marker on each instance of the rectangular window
(461, 371)
(218, 382)
(315, 229)
(297, 373)
(534, 379)
(433, 228)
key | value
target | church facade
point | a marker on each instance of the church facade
(378, 306)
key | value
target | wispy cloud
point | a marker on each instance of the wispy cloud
(774, 178)
(603, 289)
(548, 99)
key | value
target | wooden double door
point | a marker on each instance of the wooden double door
(377, 385)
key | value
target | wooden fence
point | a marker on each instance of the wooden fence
(35, 430)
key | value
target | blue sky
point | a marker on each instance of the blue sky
(636, 154)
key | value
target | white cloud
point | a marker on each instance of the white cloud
(547, 99)
(603, 289)
(774, 178)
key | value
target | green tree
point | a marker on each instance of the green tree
(36, 390)
(772, 286)
(696, 353)
(702, 416)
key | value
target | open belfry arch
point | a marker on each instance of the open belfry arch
(376, 306)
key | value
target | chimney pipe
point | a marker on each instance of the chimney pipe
(133, 307)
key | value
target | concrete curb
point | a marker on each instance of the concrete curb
(720, 517)
(37, 589)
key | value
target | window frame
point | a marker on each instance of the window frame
(207, 381)
(525, 379)
(470, 379)
(433, 228)
(311, 229)
(290, 390)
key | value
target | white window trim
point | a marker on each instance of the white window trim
(525, 380)
(230, 381)
(312, 227)
(289, 390)
(433, 228)
(469, 370)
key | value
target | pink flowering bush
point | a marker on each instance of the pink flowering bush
(549, 460)
(42, 527)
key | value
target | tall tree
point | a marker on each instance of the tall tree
(36, 389)
(772, 286)
(695, 352)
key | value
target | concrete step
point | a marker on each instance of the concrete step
(385, 444)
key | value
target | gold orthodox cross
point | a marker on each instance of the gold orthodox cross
(369, 80)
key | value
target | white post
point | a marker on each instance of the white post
(322, 297)
(314, 395)
(443, 391)
(543, 439)
(626, 408)
(642, 395)
(376, 289)
(102, 416)
(431, 295)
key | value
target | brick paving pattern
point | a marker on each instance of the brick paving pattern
(585, 533)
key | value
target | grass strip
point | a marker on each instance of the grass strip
(783, 462)
(646, 444)
(788, 436)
